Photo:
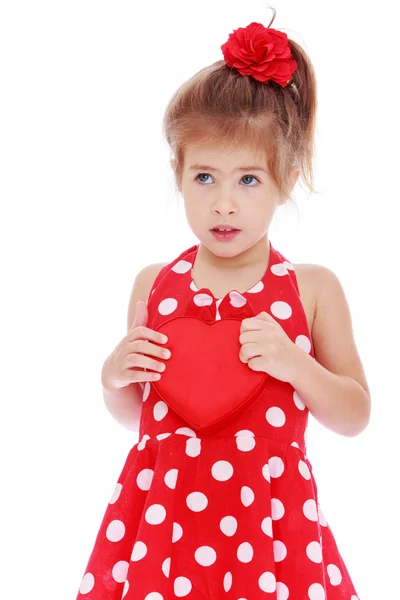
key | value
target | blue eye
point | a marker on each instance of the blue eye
(249, 176)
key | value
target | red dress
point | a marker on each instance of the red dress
(234, 515)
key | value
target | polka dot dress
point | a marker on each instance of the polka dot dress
(233, 515)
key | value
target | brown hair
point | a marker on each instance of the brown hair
(220, 105)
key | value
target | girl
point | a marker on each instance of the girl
(218, 499)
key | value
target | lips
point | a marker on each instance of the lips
(226, 228)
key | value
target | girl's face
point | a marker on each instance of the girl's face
(227, 188)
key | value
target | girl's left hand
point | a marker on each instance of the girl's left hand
(266, 347)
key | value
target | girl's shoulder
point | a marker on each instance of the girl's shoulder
(332, 328)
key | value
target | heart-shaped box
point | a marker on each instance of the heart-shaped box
(205, 382)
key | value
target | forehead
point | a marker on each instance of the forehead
(223, 157)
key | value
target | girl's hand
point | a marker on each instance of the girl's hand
(266, 347)
(128, 363)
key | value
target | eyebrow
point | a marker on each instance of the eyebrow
(206, 168)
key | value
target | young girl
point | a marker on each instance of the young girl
(218, 499)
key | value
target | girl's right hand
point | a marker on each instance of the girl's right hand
(124, 365)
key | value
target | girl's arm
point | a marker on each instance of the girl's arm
(125, 404)
(333, 386)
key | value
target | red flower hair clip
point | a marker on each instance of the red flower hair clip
(261, 52)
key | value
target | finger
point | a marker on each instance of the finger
(147, 347)
(144, 333)
(140, 360)
(253, 336)
(252, 324)
(143, 376)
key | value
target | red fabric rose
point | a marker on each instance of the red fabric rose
(261, 52)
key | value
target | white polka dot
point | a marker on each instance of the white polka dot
(144, 479)
(303, 342)
(162, 436)
(314, 552)
(193, 447)
(167, 306)
(280, 551)
(275, 416)
(115, 531)
(316, 592)
(87, 584)
(321, 516)
(154, 596)
(236, 299)
(205, 556)
(276, 466)
(139, 551)
(267, 582)
(193, 286)
(177, 532)
(186, 431)
(227, 581)
(120, 570)
(182, 266)
(282, 591)
(244, 432)
(266, 473)
(295, 445)
(126, 588)
(281, 309)
(146, 391)
(246, 495)
(228, 525)
(245, 552)
(142, 444)
(279, 269)
(310, 510)
(170, 478)
(288, 265)
(116, 493)
(222, 470)
(298, 401)
(266, 526)
(160, 410)
(182, 586)
(203, 299)
(155, 514)
(256, 288)
(304, 469)
(196, 501)
(277, 509)
(166, 566)
(335, 575)
(245, 443)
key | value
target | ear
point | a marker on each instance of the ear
(293, 177)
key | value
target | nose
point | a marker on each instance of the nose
(224, 205)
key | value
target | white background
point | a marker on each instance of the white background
(87, 199)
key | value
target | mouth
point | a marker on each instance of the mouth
(224, 236)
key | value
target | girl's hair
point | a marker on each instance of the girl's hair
(219, 105)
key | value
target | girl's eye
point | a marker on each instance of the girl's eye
(244, 176)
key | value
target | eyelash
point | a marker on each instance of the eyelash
(249, 175)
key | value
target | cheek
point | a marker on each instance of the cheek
(195, 210)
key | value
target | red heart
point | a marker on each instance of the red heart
(205, 382)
